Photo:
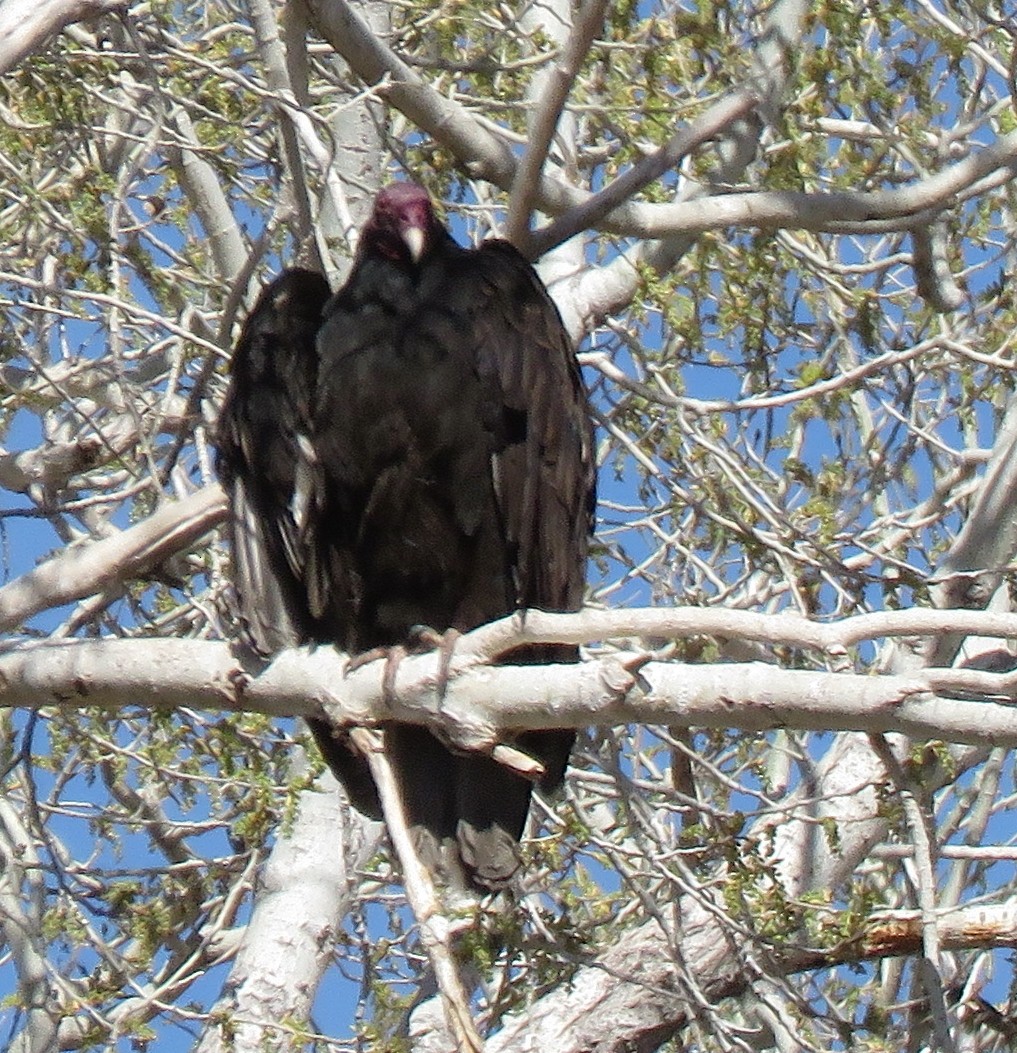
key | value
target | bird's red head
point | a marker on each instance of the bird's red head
(402, 225)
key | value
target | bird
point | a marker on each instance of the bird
(411, 456)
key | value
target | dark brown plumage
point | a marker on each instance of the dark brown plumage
(415, 452)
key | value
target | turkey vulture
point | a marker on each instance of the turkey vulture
(415, 451)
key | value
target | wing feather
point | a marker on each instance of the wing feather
(265, 459)
(543, 457)
(542, 476)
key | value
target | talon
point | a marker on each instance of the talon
(422, 638)
(357, 661)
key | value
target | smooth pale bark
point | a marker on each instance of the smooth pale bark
(82, 570)
(25, 25)
(304, 891)
(479, 701)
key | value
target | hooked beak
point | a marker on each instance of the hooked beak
(414, 237)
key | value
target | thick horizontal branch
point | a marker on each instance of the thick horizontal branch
(481, 701)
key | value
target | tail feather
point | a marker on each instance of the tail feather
(467, 813)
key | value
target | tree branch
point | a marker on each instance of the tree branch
(50, 465)
(632, 997)
(22, 905)
(479, 150)
(432, 918)
(930, 966)
(85, 569)
(200, 182)
(556, 83)
(486, 156)
(26, 24)
(304, 892)
(599, 207)
(479, 702)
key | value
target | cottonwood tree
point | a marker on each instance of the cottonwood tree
(781, 237)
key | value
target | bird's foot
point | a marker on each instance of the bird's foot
(392, 656)
(420, 640)
(239, 680)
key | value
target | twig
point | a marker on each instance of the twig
(706, 127)
(515, 760)
(931, 966)
(435, 931)
(555, 89)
